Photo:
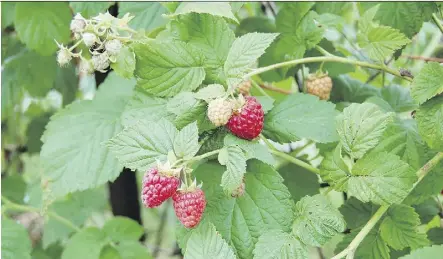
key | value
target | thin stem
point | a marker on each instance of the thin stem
(275, 89)
(352, 247)
(295, 161)
(439, 60)
(75, 45)
(437, 22)
(9, 205)
(205, 155)
(260, 89)
(323, 51)
(267, 142)
(325, 59)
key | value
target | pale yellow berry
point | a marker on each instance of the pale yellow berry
(219, 111)
(319, 86)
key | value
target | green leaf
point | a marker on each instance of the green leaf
(291, 15)
(430, 185)
(427, 210)
(213, 8)
(381, 178)
(33, 72)
(212, 36)
(133, 250)
(266, 102)
(235, 161)
(334, 170)
(120, 229)
(205, 242)
(67, 83)
(428, 83)
(360, 127)
(148, 15)
(430, 120)
(210, 92)
(14, 188)
(372, 247)
(398, 97)
(255, 24)
(252, 149)
(316, 220)
(400, 228)
(109, 252)
(408, 17)
(244, 53)
(77, 208)
(39, 24)
(346, 89)
(298, 116)
(139, 146)
(73, 155)
(15, 240)
(300, 181)
(366, 23)
(402, 139)
(8, 10)
(86, 244)
(357, 213)
(381, 41)
(266, 201)
(145, 106)
(34, 132)
(426, 252)
(124, 65)
(435, 235)
(186, 142)
(90, 9)
(167, 68)
(278, 244)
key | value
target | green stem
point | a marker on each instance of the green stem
(295, 161)
(323, 51)
(325, 59)
(9, 205)
(352, 247)
(75, 45)
(205, 155)
(260, 89)
(437, 22)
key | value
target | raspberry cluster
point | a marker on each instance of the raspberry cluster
(243, 116)
(162, 182)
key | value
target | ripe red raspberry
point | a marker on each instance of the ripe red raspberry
(320, 86)
(247, 121)
(189, 206)
(158, 187)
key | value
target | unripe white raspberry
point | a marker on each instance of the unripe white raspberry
(86, 66)
(320, 86)
(113, 47)
(63, 56)
(77, 25)
(244, 87)
(219, 111)
(101, 62)
(89, 39)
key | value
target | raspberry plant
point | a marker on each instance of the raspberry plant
(272, 130)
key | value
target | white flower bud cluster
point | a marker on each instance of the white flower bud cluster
(104, 35)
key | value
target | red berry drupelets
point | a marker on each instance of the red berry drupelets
(158, 187)
(189, 206)
(247, 121)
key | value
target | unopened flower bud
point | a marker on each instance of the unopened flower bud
(63, 56)
(113, 47)
(89, 39)
(101, 62)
